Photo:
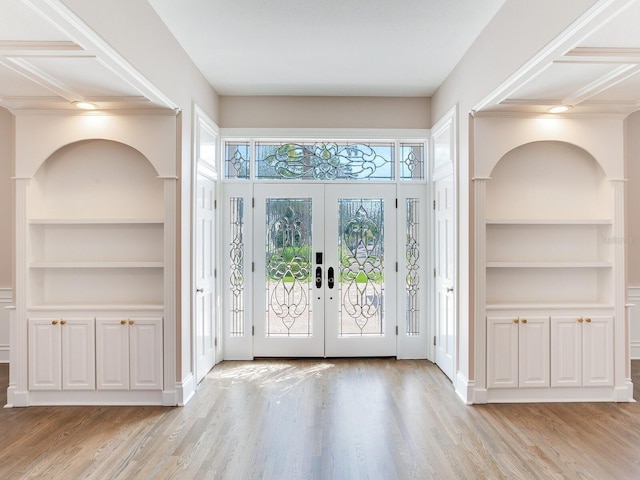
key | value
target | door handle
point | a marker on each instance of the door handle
(449, 289)
(199, 290)
(330, 277)
(318, 277)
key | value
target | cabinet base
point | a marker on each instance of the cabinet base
(534, 395)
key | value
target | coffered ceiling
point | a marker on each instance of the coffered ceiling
(592, 68)
(49, 59)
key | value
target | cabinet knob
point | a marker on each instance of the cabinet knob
(524, 320)
(516, 320)
(62, 322)
(131, 322)
(54, 322)
(580, 320)
(123, 322)
(588, 320)
(199, 290)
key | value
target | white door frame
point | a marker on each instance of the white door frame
(205, 146)
(443, 154)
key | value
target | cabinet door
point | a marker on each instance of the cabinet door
(566, 351)
(112, 354)
(146, 353)
(502, 352)
(78, 354)
(533, 355)
(45, 372)
(597, 351)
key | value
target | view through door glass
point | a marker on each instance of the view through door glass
(325, 277)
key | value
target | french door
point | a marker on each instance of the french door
(325, 270)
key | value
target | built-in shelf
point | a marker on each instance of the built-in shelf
(94, 221)
(548, 265)
(96, 265)
(545, 307)
(94, 307)
(546, 221)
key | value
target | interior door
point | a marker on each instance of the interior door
(444, 258)
(324, 270)
(204, 261)
(360, 298)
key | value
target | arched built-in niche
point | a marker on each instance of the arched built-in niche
(96, 179)
(548, 179)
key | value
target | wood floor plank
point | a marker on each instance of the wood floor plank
(323, 419)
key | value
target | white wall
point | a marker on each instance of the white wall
(6, 227)
(325, 112)
(6, 197)
(632, 224)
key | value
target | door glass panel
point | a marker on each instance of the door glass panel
(412, 255)
(325, 161)
(288, 267)
(236, 277)
(361, 260)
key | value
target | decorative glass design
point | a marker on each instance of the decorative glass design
(325, 161)
(411, 161)
(361, 255)
(412, 252)
(236, 278)
(288, 267)
(237, 160)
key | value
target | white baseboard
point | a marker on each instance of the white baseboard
(185, 390)
(465, 389)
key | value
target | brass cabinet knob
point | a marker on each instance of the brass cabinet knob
(524, 320)
(54, 322)
(580, 320)
(588, 320)
(123, 322)
(131, 322)
(62, 322)
(516, 320)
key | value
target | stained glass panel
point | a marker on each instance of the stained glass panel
(412, 252)
(361, 256)
(325, 161)
(288, 252)
(411, 161)
(236, 278)
(237, 160)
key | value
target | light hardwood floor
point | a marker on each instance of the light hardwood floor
(323, 419)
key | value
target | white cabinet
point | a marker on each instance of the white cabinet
(129, 353)
(61, 353)
(517, 351)
(582, 351)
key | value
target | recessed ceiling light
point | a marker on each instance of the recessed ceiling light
(560, 109)
(85, 105)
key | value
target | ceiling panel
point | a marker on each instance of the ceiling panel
(560, 81)
(13, 84)
(85, 76)
(18, 21)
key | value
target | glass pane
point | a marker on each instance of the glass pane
(237, 160)
(412, 251)
(325, 161)
(361, 254)
(288, 267)
(236, 278)
(411, 161)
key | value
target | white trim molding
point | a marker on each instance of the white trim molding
(633, 296)
(6, 300)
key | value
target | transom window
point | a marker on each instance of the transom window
(324, 160)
